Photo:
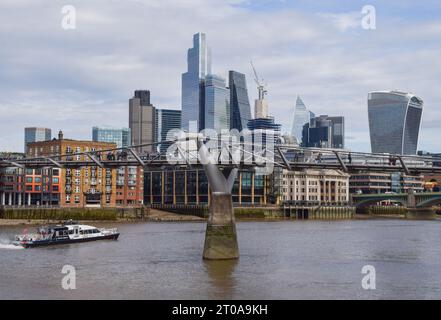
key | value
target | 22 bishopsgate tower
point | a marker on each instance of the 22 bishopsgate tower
(193, 81)
(207, 102)
(394, 122)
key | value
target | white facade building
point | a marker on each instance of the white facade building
(320, 186)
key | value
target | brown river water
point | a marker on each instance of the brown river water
(278, 260)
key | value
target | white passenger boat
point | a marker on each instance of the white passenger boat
(69, 232)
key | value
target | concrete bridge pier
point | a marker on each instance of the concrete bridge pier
(420, 214)
(220, 235)
(414, 213)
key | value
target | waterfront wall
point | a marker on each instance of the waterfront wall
(183, 209)
(319, 212)
(102, 214)
(387, 210)
(269, 212)
(258, 212)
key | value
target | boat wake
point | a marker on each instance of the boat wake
(7, 245)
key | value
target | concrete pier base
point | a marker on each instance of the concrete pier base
(220, 236)
(421, 214)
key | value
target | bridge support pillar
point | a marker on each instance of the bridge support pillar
(220, 236)
(411, 199)
(420, 214)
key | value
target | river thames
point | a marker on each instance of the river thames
(278, 260)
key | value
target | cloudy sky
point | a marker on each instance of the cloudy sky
(75, 79)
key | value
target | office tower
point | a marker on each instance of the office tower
(36, 135)
(324, 132)
(166, 120)
(121, 137)
(302, 116)
(198, 66)
(142, 121)
(144, 96)
(240, 109)
(264, 124)
(264, 127)
(394, 121)
(217, 104)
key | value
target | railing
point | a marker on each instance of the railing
(315, 203)
(54, 206)
(292, 158)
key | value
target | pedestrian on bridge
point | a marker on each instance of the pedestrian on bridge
(319, 158)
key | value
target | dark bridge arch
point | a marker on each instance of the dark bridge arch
(422, 200)
(429, 202)
(371, 201)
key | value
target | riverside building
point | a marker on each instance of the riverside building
(378, 182)
(324, 187)
(190, 187)
(89, 186)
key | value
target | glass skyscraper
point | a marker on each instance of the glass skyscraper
(217, 104)
(166, 120)
(121, 136)
(240, 109)
(36, 135)
(324, 132)
(302, 116)
(198, 66)
(394, 122)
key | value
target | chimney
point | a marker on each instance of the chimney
(60, 135)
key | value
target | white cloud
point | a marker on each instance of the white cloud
(69, 79)
(343, 21)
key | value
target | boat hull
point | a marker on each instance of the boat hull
(53, 242)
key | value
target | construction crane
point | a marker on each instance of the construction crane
(260, 87)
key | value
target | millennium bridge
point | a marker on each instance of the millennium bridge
(221, 162)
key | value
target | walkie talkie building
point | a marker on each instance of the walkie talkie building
(394, 121)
